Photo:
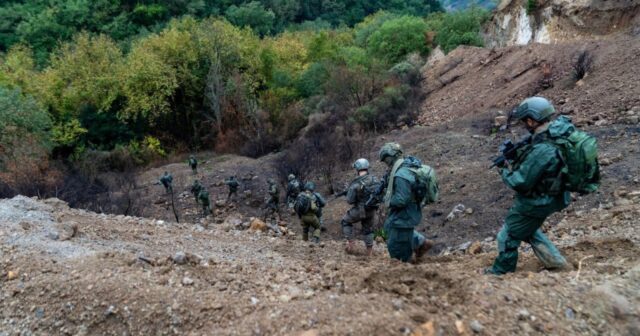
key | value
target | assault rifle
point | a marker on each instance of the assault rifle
(509, 151)
(341, 194)
(377, 195)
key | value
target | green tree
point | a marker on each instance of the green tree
(252, 14)
(82, 72)
(398, 37)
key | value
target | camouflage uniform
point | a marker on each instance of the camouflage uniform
(193, 163)
(357, 197)
(321, 204)
(293, 189)
(534, 175)
(203, 197)
(404, 212)
(196, 187)
(233, 185)
(273, 202)
(166, 181)
(310, 219)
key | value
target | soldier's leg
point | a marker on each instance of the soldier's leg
(507, 258)
(315, 224)
(305, 228)
(518, 226)
(347, 221)
(399, 243)
(367, 229)
(546, 251)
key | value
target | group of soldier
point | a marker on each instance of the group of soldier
(405, 189)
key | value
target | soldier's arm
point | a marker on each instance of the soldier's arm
(352, 194)
(537, 162)
(321, 201)
(402, 195)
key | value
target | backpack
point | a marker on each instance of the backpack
(579, 152)
(369, 187)
(305, 204)
(426, 189)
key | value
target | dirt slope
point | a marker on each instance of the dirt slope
(120, 275)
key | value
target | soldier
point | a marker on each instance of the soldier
(358, 194)
(166, 181)
(404, 211)
(273, 201)
(320, 202)
(293, 189)
(233, 185)
(306, 206)
(533, 175)
(196, 187)
(193, 163)
(203, 197)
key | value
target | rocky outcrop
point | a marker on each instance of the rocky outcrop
(550, 21)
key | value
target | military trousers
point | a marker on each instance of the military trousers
(403, 242)
(310, 222)
(355, 215)
(520, 227)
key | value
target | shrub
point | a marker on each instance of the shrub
(458, 28)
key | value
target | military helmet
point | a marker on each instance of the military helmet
(291, 177)
(361, 164)
(536, 108)
(310, 186)
(389, 149)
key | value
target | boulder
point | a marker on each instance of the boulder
(257, 225)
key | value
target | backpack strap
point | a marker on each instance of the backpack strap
(392, 175)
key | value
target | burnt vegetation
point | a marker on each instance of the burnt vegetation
(582, 65)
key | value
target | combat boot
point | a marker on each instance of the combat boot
(424, 248)
(369, 251)
(349, 248)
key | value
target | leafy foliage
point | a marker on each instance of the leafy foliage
(143, 78)
(398, 37)
(458, 28)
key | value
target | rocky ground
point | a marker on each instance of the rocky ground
(67, 271)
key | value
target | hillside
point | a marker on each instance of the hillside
(70, 271)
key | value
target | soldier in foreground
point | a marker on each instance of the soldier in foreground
(193, 163)
(306, 207)
(555, 159)
(358, 193)
(233, 185)
(166, 181)
(410, 186)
